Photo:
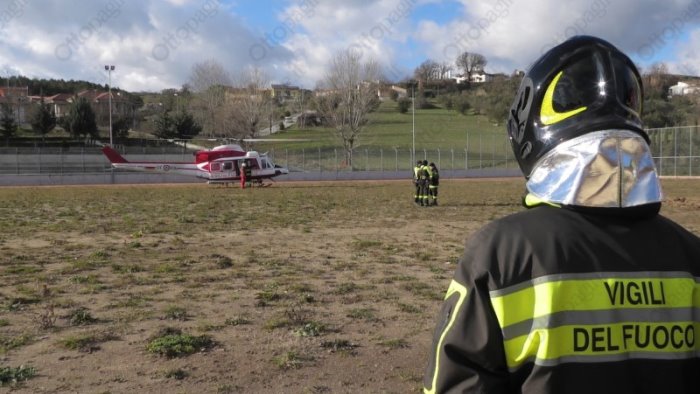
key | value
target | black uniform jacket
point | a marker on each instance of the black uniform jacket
(556, 300)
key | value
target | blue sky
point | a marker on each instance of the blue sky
(155, 43)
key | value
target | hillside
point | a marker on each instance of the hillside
(389, 129)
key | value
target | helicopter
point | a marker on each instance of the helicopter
(222, 164)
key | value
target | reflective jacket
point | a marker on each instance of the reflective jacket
(557, 300)
(434, 178)
(424, 173)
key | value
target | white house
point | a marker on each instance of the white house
(476, 77)
(683, 88)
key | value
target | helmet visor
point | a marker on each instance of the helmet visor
(627, 86)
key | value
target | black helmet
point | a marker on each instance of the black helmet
(582, 85)
(425, 162)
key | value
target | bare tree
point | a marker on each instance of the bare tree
(349, 96)
(656, 80)
(444, 69)
(209, 81)
(470, 63)
(427, 71)
(250, 103)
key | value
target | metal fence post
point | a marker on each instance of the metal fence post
(661, 154)
(466, 154)
(690, 153)
(381, 159)
(493, 150)
(396, 158)
(481, 152)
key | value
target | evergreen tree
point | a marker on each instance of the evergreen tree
(81, 119)
(120, 127)
(164, 126)
(185, 126)
(43, 120)
(8, 125)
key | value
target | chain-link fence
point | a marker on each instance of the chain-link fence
(676, 152)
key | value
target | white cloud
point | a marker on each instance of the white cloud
(689, 56)
(154, 43)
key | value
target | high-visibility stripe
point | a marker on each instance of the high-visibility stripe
(596, 343)
(617, 291)
(531, 201)
(600, 316)
(461, 291)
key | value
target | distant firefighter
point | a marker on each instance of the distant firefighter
(424, 179)
(416, 182)
(433, 184)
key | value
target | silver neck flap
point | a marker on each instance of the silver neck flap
(607, 169)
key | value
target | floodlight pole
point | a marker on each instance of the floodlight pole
(109, 69)
(413, 114)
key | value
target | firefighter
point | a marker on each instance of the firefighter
(248, 172)
(434, 182)
(424, 183)
(244, 173)
(416, 177)
(590, 289)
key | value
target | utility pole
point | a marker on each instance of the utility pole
(109, 69)
(413, 115)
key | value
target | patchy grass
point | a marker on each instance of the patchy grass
(174, 312)
(280, 278)
(81, 317)
(13, 375)
(292, 360)
(173, 343)
(87, 342)
(14, 341)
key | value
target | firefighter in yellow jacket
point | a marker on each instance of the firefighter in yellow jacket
(590, 290)
(416, 178)
(425, 183)
(433, 184)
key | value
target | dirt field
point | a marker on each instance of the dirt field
(295, 288)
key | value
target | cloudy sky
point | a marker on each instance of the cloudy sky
(154, 43)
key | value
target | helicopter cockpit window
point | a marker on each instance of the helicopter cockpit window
(266, 163)
(216, 166)
(228, 166)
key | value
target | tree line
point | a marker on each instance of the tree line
(216, 102)
(493, 98)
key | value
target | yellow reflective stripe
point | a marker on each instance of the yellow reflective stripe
(531, 200)
(548, 115)
(550, 297)
(455, 287)
(595, 343)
